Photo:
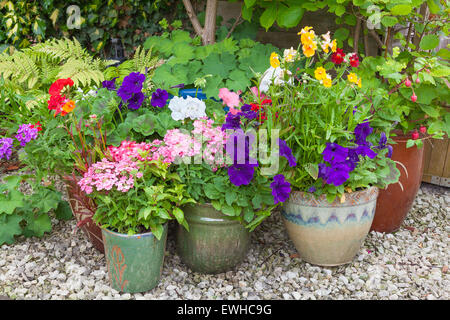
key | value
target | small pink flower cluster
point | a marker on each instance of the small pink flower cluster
(105, 174)
(133, 150)
(177, 144)
(215, 139)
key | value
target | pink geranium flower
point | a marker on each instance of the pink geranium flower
(231, 99)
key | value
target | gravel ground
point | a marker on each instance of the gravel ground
(409, 264)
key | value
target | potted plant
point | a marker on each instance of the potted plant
(135, 196)
(323, 116)
(232, 195)
(409, 84)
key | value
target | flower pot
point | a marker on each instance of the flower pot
(78, 201)
(329, 234)
(394, 203)
(214, 243)
(134, 262)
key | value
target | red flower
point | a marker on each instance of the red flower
(354, 60)
(58, 85)
(55, 102)
(338, 56)
(415, 135)
(37, 125)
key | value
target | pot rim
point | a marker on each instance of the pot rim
(138, 235)
(360, 197)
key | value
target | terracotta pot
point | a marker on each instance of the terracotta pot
(81, 212)
(214, 244)
(329, 234)
(394, 203)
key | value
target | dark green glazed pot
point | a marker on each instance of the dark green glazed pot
(134, 262)
(214, 244)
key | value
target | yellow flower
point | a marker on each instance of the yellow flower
(309, 50)
(320, 73)
(290, 54)
(274, 62)
(352, 77)
(359, 82)
(306, 36)
(326, 44)
(327, 81)
(333, 45)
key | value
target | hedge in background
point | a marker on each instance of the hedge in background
(24, 22)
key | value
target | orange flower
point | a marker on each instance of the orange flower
(68, 107)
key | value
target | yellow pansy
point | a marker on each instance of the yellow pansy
(327, 81)
(274, 61)
(307, 36)
(359, 82)
(320, 73)
(352, 77)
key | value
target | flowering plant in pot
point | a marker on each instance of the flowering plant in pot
(325, 119)
(135, 196)
(409, 83)
(233, 193)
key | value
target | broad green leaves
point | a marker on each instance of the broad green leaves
(429, 42)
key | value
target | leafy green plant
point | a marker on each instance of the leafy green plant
(28, 214)
(230, 63)
(26, 22)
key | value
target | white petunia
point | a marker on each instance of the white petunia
(190, 107)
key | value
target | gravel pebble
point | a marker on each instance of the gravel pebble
(402, 265)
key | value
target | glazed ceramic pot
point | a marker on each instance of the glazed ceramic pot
(79, 203)
(134, 262)
(329, 234)
(393, 203)
(214, 243)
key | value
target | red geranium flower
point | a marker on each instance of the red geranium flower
(58, 85)
(354, 60)
(37, 125)
(338, 56)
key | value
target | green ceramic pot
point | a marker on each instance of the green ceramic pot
(134, 262)
(214, 243)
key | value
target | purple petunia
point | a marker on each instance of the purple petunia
(280, 189)
(286, 152)
(25, 134)
(110, 84)
(383, 145)
(135, 101)
(131, 84)
(232, 121)
(334, 153)
(6, 145)
(159, 98)
(241, 174)
(362, 131)
(337, 174)
(239, 145)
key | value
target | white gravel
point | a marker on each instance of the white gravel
(409, 264)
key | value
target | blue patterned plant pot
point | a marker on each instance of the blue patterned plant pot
(329, 234)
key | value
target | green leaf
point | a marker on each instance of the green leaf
(63, 212)
(433, 5)
(289, 17)
(211, 192)
(401, 9)
(9, 227)
(429, 42)
(37, 226)
(312, 169)
(228, 210)
(268, 17)
(179, 215)
(14, 200)
(157, 231)
(389, 21)
(341, 34)
(230, 197)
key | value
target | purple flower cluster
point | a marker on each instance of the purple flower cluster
(131, 90)
(110, 84)
(233, 121)
(344, 160)
(286, 152)
(238, 147)
(6, 145)
(383, 144)
(280, 188)
(25, 134)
